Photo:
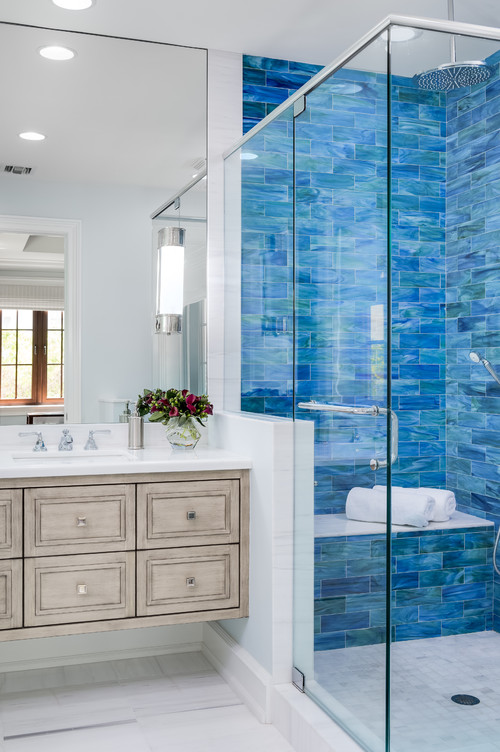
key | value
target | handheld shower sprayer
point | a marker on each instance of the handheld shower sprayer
(477, 358)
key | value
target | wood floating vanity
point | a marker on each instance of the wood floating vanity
(93, 553)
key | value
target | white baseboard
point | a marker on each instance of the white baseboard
(245, 676)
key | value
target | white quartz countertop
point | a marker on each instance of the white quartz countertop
(154, 460)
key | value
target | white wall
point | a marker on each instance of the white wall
(116, 283)
(225, 122)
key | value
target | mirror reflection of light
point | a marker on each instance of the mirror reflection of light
(73, 4)
(57, 53)
(401, 34)
(377, 322)
(32, 136)
(248, 155)
(347, 88)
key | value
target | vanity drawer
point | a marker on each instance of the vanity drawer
(187, 579)
(11, 599)
(187, 513)
(79, 519)
(58, 590)
(11, 524)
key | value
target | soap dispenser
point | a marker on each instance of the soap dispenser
(136, 431)
(125, 415)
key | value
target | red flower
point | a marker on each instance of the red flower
(184, 392)
(209, 410)
(173, 412)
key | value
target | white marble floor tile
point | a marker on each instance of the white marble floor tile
(184, 664)
(125, 738)
(213, 730)
(173, 703)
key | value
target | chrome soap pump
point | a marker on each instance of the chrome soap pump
(135, 431)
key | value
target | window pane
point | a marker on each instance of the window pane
(8, 347)
(24, 382)
(9, 319)
(25, 320)
(54, 347)
(8, 377)
(54, 320)
(54, 382)
(25, 347)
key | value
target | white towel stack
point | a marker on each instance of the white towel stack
(445, 500)
(370, 505)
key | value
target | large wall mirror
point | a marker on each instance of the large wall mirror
(125, 129)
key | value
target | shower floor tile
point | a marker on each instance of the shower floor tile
(424, 675)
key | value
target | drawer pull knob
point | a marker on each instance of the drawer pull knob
(191, 581)
(191, 515)
(81, 522)
(81, 589)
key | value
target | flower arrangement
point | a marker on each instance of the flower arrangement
(162, 406)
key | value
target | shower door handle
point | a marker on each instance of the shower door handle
(373, 410)
(378, 464)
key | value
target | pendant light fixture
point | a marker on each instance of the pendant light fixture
(170, 279)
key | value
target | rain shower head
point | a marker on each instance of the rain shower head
(453, 75)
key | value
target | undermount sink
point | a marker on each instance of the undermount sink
(31, 458)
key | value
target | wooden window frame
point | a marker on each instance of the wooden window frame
(39, 364)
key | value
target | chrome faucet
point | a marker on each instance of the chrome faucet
(66, 441)
(91, 441)
(39, 443)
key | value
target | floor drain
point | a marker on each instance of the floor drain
(466, 699)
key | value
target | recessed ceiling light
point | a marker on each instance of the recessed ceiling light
(32, 136)
(57, 53)
(73, 4)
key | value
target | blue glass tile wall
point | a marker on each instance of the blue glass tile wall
(445, 275)
(442, 584)
(341, 246)
(473, 298)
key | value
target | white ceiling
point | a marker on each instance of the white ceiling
(307, 30)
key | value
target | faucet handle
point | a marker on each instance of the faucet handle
(66, 441)
(91, 444)
(39, 443)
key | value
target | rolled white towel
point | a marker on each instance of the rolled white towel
(445, 500)
(370, 505)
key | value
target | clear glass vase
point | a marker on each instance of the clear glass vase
(183, 433)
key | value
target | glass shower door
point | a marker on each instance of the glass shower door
(341, 392)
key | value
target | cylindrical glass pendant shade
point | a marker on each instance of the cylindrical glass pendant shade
(170, 284)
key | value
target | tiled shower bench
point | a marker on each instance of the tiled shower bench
(442, 580)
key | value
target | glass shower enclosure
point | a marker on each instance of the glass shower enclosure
(363, 268)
